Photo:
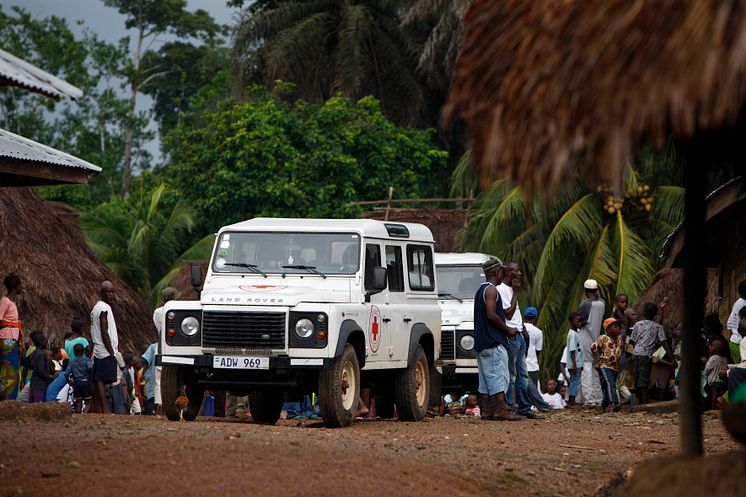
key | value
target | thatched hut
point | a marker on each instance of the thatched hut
(544, 86)
(60, 272)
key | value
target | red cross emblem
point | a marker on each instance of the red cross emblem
(374, 328)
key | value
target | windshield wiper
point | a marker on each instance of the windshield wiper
(310, 269)
(460, 301)
(253, 267)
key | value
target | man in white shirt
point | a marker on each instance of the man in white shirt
(592, 311)
(735, 336)
(169, 293)
(535, 344)
(105, 345)
(517, 344)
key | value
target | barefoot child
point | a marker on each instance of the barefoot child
(574, 356)
(715, 369)
(606, 352)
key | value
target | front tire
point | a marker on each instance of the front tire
(339, 390)
(173, 378)
(412, 387)
(265, 406)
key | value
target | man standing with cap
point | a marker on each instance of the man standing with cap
(490, 342)
(592, 311)
(152, 374)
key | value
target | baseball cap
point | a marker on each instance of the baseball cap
(590, 285)
(490, 263)
(531, 312)
(609, 321)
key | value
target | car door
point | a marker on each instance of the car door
(396, 301)
(379, 316)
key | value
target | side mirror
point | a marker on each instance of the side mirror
(196, 272)
(379, 278)
(379, 282)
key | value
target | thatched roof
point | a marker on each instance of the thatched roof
(546, 83)
(61, 274)
(444, 223)
(668, 283)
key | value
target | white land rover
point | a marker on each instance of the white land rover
(459, 276)
(308, 305)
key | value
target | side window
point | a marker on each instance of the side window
(394, 268)
(372, 259)
(420, 265)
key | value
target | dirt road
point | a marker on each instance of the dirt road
(444, 456)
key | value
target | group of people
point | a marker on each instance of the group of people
(608, 359)
(93, 376)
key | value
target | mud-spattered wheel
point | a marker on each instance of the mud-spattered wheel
(339, 390)
(412, 387)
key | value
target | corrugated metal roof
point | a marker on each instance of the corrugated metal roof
(18, 147)
(28, 76)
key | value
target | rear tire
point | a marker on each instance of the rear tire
(339, 390)
(265, 406)
(412, 387)
(172, 380)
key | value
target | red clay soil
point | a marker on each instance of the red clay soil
(569, 454)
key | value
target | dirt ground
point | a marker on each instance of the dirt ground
(568, 454)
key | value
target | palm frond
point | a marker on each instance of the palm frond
(579, 225)
(352, 58)
(634, 269)
(464, 179)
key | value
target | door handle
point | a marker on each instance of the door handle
(406, 320)
(386, 320)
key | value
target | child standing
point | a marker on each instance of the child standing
(40, 362)
(607, 350)
(574, 356)
(647, 336)
(717, 365)
(82, 372)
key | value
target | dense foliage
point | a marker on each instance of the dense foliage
(267, 156)
(583, 232)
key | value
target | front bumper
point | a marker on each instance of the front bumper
(205, 361)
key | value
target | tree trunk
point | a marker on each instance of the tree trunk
(130, 133)
(694, 298)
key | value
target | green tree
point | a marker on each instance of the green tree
(581, 233)
(185, 68)
(268, 157)
(150, 18)
(325, 47)
(141, 241)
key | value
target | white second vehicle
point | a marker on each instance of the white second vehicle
(459, 276)
(308, 305)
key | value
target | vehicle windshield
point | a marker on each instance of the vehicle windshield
(300, 253)
(459, 282)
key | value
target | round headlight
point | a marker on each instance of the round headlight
(304, 328)
(189, 326)
(467, 342)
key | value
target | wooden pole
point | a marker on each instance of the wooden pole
(388, 204)
(694, 299)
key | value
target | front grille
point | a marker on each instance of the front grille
(244, 330)
(447, 344)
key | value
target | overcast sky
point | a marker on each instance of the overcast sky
(108, 24)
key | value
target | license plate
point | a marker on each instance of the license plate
(240, 362)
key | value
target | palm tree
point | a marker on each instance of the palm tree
(444, 18)
(325, 47)
(140, 242)
(581, 233)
